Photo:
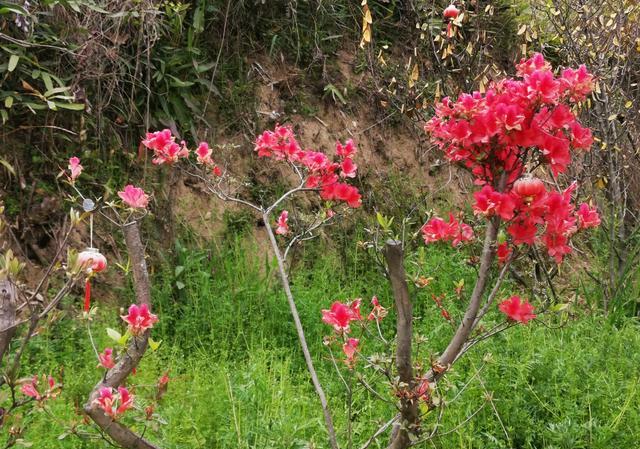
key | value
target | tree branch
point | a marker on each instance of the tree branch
(121, 434)
(394, 255)
(301, 337)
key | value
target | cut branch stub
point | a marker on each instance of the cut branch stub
(394, 255)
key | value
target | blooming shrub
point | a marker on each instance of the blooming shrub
(502, 136)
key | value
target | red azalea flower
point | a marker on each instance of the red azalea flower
(587, 217)
(434, 230)
(347, 150)
(516, 310)
(341, 315)
(503, 252)
(139, 319)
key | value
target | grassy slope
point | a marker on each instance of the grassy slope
(238, 380)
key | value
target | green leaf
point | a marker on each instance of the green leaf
(198, 19)
(5, 115)
(52, 105)
(175, 82)
(57, 90)
(71, 106)
(124, 339)
(46, 78)
(154, 345)
(559, 307)
(13, 62)
(7, 8)
(114, 334)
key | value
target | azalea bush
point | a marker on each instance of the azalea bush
(113, 400)
(516, 140)
(307, 172)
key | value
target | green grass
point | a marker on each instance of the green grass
(239, 381)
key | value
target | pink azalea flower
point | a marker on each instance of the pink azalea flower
(341, 315)
(114, 404)
(30, 389)
(203, 153)
(75, 168)
(164, 147)
(349, 348)
(347, 150)
(516, 310)
(348, 168)
(283, 226)
(164, 380)
(378, 311)
(139, 319)
(106, 359)
(134, 197)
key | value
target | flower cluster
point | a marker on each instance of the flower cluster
(436, 229)
(492, 132)
(30, 388)
(139, 319)
(114, 403)
(322, 173)
(165, 148)
(341, 315)
(132, 196)
(517, 310)
(515, 124)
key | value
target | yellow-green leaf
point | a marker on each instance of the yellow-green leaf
(13, 62)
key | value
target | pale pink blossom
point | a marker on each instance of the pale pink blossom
(74, 168)
(134, 197)
(283, 226)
